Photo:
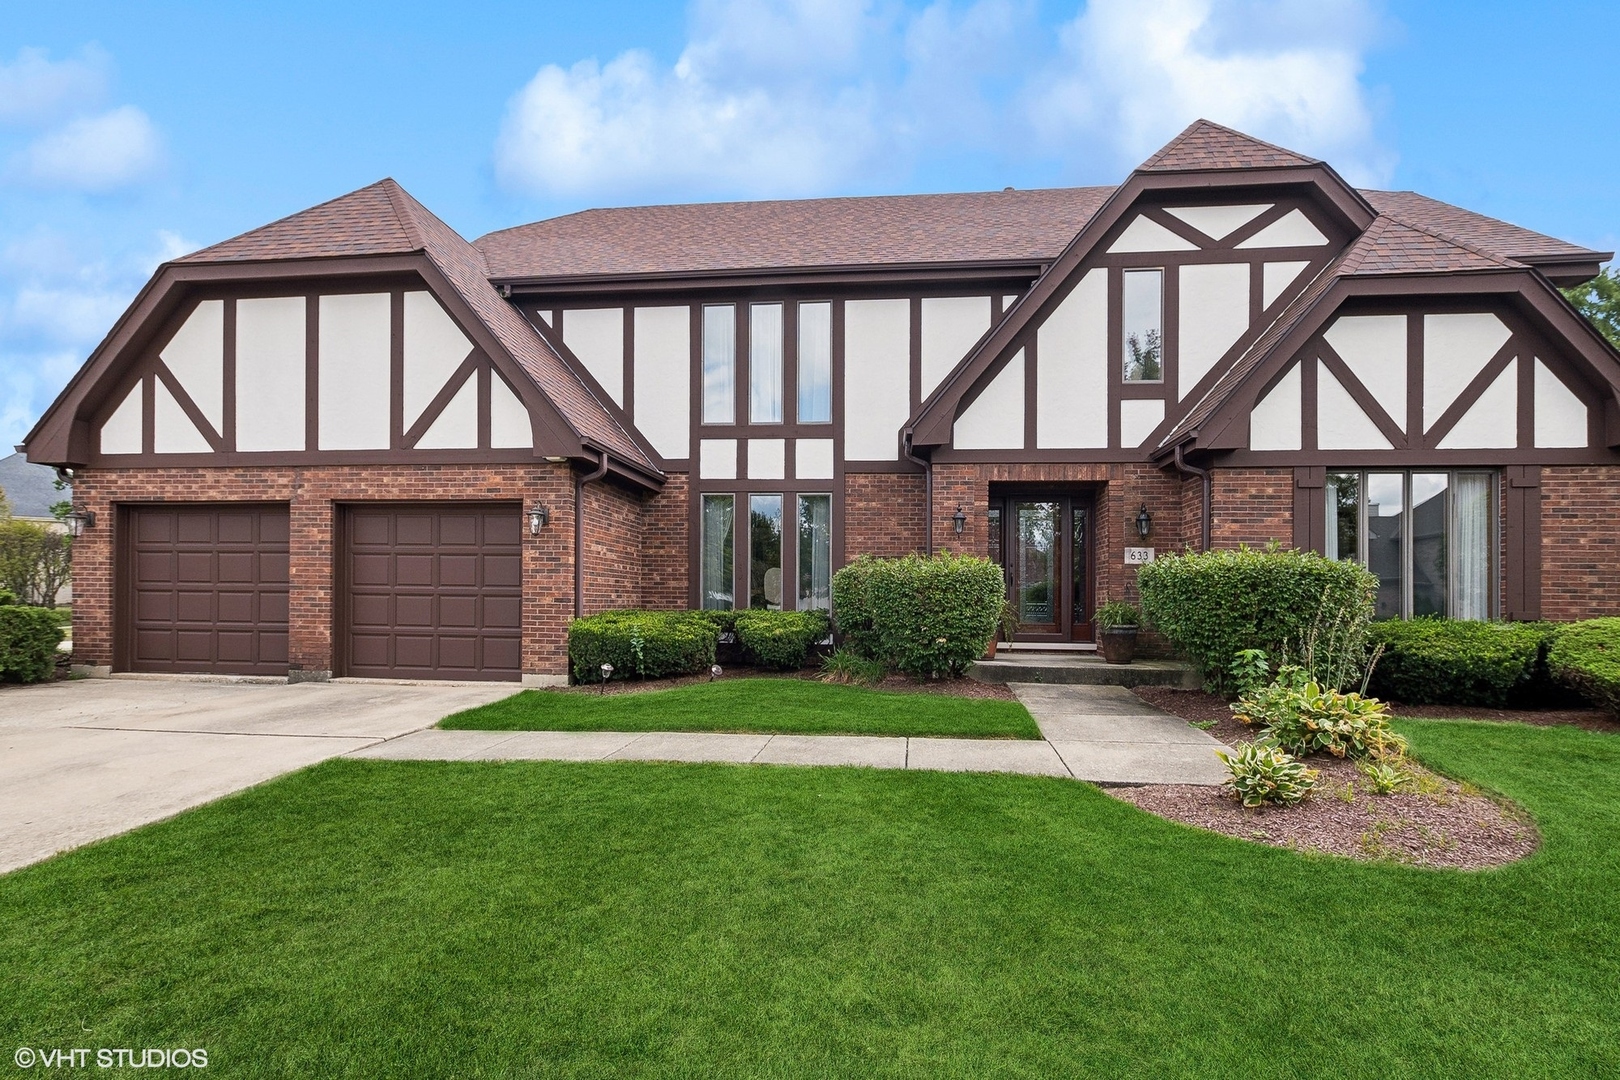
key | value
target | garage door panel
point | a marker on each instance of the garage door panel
(208, 589)
(435, 607)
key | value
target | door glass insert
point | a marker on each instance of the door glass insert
(1035, 573)
(1080, 611)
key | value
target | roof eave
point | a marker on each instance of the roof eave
(732, 277)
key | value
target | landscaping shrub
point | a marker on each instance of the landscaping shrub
(925, 616)
(725, 622)
(1433, 661)
(28, 640)
(642, 644)
(848, 666)
(1586, 659)
(1116, 613)
(1295, 605)
(1304, 717)
(1263, 772)
(780, 639)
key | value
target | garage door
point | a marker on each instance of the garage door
(433, 592)
(207, 589)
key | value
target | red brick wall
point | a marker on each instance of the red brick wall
(1580, 542)
(1252, 506)
(883, 514)
(664, 550)
(548, 559)
(613, 547)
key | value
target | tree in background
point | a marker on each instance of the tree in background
(34, 560)
(1599, 301)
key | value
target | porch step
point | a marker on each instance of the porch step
(1091, 670)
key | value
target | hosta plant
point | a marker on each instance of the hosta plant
(1304, 717)
(1385, 778)
(1263, 772)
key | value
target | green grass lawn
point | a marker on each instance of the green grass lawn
(628, 919)
(774, 706)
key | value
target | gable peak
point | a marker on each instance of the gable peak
(1208, 145)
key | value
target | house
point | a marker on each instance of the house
(352, 443)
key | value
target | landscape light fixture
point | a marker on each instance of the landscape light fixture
(539, 518)
(607, 673)
(1144, 522)
(714, 672)
(79, 520)
(958, 520)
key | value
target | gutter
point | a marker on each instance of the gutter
(928, 493)
(1207, 476)
(580, 480)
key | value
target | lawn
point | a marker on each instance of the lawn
(631, 919)
(773, 706)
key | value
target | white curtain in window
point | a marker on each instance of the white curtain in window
(765, 364)
(1471, 546)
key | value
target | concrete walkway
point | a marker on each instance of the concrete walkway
(88, 759)
(1108, 735)
(1104, 734)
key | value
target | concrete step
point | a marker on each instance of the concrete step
(1087, 669)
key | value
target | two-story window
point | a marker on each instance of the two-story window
(783, 530)
(1429, 536)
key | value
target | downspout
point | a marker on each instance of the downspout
(1206, 476)
(928, 493)
(580, 480)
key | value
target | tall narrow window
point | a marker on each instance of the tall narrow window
(1472, 533)
(1386, 541)
(1344, 517)
(815, 552)
(1143, 330)
(815, 363)
(719, 364)
(765, 552)
(715, 569)
(1430, 574)
(765, 363)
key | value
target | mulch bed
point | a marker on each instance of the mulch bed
(1433, 821)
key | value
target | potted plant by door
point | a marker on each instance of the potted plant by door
(1117, 624)
(1006, 626)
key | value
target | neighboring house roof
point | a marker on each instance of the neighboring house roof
(383, 219)
(976, 227)
(30, 490)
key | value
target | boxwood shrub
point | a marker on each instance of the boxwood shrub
(1214, 604)
(780, 639)
(1586, 659)
(925, 616)
(1433, 661)
(28, 640)
(640, 644)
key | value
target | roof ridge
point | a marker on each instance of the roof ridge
(1454, 241)
(1202, 125)
(407, 220)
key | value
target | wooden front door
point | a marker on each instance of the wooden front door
(1043, 543)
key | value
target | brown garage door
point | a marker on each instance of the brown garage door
(433, 592)
(207, 589)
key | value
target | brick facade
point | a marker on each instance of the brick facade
(313, 495)
(615, 535)
(1580, 542)
(1253, 507)
(665, 547)
(883, 514)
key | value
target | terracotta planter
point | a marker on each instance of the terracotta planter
(1117, 644)
(990, 653)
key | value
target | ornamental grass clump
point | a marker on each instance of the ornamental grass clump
(1263, 772)
(1304, 717)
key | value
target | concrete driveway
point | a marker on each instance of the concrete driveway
(88, 759)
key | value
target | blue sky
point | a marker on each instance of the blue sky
(131, 133)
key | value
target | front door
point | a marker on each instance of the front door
(1043, 545)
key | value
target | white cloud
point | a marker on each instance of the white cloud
(35, 89)
(1288, 71)
(795, 97)
(93, 153)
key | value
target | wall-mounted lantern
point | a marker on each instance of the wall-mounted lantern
(539, 518)
(1144, 522)
(79, 520)
(959, 520)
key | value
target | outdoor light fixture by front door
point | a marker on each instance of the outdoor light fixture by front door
(1144, 522)
(539, 518)
(958, 520)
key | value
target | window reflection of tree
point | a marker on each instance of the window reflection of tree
(1037, 533)
(1144, 364)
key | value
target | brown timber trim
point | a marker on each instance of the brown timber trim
(1522, 539)
(452, 386)
(187, 405)
(834, 277)
(1310, 508)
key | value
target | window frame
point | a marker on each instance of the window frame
(1124, 359)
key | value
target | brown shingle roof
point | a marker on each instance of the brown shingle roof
(986, 226)
(1477, 230)
(383, 219)
(1207, 145)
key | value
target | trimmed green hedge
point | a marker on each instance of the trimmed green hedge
(1433, 661)
(640, 644)
(1212, 605)
(1586, 659)
(28, 640)
(925, 616)
(780, 639)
